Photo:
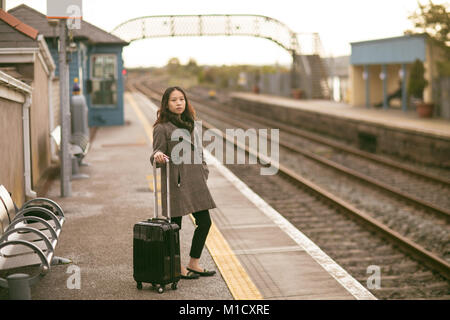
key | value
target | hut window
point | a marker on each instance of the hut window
(104, 80)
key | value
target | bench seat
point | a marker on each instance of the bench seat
(20, 261)
(28, 237)
(79, 145)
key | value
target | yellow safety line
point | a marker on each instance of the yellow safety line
(234, 274)
(147, 127)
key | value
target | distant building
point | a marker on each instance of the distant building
(27, 112)
(95, 59)
(379, 68)
(338, 69)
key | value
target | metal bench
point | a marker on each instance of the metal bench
(28, 238)
(78, 148)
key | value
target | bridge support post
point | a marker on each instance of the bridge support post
(294, 81)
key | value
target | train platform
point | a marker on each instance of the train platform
(257, 253)
(385, 131)
(393, 117)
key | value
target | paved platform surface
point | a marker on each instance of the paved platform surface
(257, 253)
(98, 233)
(391, 117)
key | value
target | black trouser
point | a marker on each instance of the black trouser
(203, 222)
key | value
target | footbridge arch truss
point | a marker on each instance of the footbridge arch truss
(226, 25)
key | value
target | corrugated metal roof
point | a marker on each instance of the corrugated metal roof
(88, 31)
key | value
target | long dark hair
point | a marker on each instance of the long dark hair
(187, 118)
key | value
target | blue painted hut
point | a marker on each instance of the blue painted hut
(381, 67)
(95, 59)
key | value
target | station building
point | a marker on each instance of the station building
(27, 112)
(379, 67)
(29, 92)
(95, 59)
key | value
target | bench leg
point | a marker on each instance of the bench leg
(60, 260)
(76, 170)
(84, 164)
(19, 286)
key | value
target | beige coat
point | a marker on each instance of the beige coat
(188, 189)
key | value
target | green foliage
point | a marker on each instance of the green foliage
(434, 20)
(215, 76)
(173, 66)
(417, 81)
(444, 68)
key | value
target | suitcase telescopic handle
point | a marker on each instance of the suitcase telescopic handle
(155, 190)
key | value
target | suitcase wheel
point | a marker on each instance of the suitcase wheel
(174, 285)
(139, 285)
(160, 289)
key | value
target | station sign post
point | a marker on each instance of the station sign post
(68, 13)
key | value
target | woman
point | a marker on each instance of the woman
(189, 192)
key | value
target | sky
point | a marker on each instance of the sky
(338, 23)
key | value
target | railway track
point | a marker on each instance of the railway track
(419, 187)
(352, 237)
(222, 101)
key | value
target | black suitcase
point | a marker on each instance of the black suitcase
(156, 247)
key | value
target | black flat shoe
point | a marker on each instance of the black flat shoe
(190, 275)
(204, 273)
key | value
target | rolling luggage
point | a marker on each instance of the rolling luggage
(156, 247)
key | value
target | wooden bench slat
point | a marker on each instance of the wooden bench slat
(38, 225)
(30, 237)
(8, 252)
(19, 261)
(56, 223)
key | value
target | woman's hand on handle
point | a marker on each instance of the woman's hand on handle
(160, 157)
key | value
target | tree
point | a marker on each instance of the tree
(417, 81)
(173, 66)
(192, 67)
(434, 20)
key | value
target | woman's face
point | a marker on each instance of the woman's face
(177, 104)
